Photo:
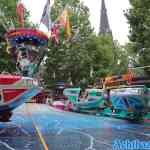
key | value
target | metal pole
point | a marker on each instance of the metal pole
(140, 67)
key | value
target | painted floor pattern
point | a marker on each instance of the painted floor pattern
(40, 127)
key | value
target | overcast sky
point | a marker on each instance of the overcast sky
(117, 20)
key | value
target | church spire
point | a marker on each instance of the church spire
(104, 23)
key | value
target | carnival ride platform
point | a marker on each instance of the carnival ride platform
(40, 127)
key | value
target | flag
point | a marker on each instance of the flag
(130, 71)
(45, 19)
(55, 32)
(131, 75)
(61, 27)
(64, 21)
(20, 12)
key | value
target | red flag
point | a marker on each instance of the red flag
(130, 71)
(131, 75)
(20, 12)
(55, 32)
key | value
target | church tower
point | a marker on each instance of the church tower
(104, 22)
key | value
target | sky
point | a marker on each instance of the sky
(115, 8)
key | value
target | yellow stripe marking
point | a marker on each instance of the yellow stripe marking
(38, 132)
(41, 138)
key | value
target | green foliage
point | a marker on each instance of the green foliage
(121, 54)
(8, 20)
(139, 19)
(82, 58)
(7, 14)
(100, 49)
(66, 60)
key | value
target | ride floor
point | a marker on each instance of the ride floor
(40, 127)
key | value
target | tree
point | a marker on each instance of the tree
(121, 58)
(139, 19)
(82, 58)
(100, 49)
(66, 60)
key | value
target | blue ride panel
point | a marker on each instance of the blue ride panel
(72, 94)
(92, 101)
(124, 102)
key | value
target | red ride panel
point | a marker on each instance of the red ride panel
(10, 94)
(8, 79)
